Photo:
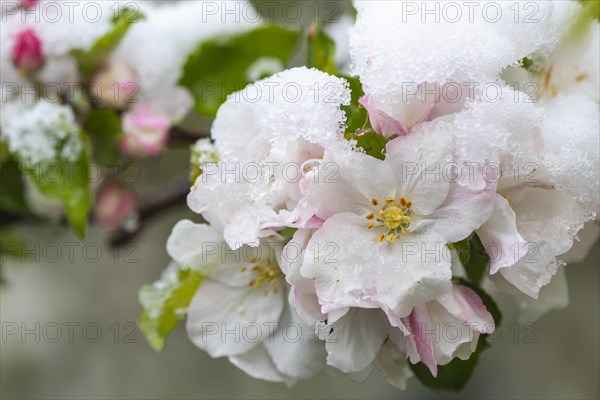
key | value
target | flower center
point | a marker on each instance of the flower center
(393, 217)
(264, 273)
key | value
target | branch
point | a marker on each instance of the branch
(178, 134)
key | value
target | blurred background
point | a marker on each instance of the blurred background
(69, 329)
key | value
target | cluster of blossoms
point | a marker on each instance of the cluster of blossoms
(62, 62)
(359, 250)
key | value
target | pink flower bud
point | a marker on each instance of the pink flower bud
(27, 54)
(116, 85)
(145, 130)
(28, 3)
(114, 203)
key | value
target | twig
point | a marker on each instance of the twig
(178, 134)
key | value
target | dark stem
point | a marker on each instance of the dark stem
(178, 134)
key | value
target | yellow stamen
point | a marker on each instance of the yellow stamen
(394, 217)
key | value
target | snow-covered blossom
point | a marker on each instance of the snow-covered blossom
(388, 54)
(290, 118)
(524, 139)
(545, 206)
(41, 132)
(375, 261)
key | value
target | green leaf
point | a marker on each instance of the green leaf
(453, 376)
(225, 64)
(164, 303)
(89, 61)
(463, 248)
(320, 50)
(287, 233)
(69, 183)
(12, 195)
(371, 142)
(104, 127)
(358, 127)
(478, 260)
(356, 115)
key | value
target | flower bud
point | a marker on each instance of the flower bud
(116, 85)
(145, 131)
(27, 54)
(28, 4)
(114, 203)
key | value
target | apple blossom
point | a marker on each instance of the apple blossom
(405, 85)
(254, 188)
(447, 327)
(562, 180)
(362, 250)
(244, 291)
(376, 214)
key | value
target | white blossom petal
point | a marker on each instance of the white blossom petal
(352, 269)
(355, 339)
(227, 321)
